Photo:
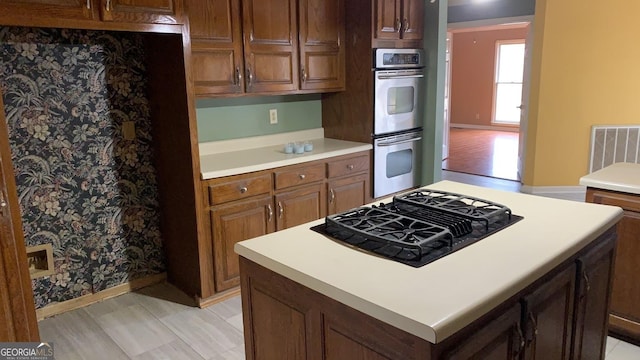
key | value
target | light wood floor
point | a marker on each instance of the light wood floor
(483, 152)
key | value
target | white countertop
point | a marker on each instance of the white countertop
(624, 177)
(438, 299)
(233, 157)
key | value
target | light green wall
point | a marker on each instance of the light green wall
(434, 43)
(232, 118)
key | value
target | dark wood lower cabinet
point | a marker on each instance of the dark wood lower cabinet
(562, 315)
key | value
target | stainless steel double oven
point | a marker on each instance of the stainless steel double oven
(398, 116)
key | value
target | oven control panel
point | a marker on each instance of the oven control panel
(399, 58)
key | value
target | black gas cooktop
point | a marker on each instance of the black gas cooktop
(418, 227)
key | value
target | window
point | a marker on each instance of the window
(508, 81)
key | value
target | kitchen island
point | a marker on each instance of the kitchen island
(528, 289)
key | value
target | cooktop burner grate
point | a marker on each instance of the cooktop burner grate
(418, 227)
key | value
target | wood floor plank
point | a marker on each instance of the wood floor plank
(205, 332)
(135, 330)
(228, 308)
(236, 353)
(175, 350)
(75, 335)
(483, 152)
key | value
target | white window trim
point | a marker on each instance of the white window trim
(495, 81)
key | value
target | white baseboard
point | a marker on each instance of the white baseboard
(485, 127)
(575, 193)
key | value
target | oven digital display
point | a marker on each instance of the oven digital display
(400, 59)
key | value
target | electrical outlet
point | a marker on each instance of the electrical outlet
(477, 116)
(273, 116)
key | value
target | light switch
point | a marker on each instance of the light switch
(128, 130)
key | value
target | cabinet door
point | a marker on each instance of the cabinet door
(321, 44)
(64, 9)
(216, 46)
(500, 339)
(412, 19)
(548, 317)
(232, 223)
(270, 45)
(625, 295)
(595, 271)
(17, 310)
(347, 193)
(387, 19)
(300, 206)
(142, 11)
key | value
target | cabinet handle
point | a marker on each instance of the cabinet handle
(3, 203)
(350, 166)
(586, 280)
(88, 4)
(280, 209)
(238, 76)
(332, 196)
(269, 212)
(406, 25)
(304, 75)
(535, 328)
(243, 190)
(398, 24)
(249, 75)
(107, 7)
(302, 176)
(521, 342)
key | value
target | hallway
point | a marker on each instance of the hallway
(483, 152)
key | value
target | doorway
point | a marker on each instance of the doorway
(479, 139)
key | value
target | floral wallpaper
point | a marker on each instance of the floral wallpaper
(82, 186)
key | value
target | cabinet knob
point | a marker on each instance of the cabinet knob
(350, 166)
(243, 189)
(302, 176)
(3, 203)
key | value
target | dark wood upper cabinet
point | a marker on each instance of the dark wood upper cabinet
(216, 46)
(398, 20)
(267, 46)
(66, 9)
(270, 45)
(141, 11)
(321, 44)
(90, 14)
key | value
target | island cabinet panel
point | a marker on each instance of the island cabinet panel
(556, 317)
(593, 296)
(624, 317)
(232, 223)
(548, 319)
(500, 339)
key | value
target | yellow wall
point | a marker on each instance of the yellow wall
(585, 71)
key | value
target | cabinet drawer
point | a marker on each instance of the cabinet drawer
(298, 176)
(239, 188)
(348, 166)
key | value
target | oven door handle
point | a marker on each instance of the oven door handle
(387, 77)
(391, 143)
